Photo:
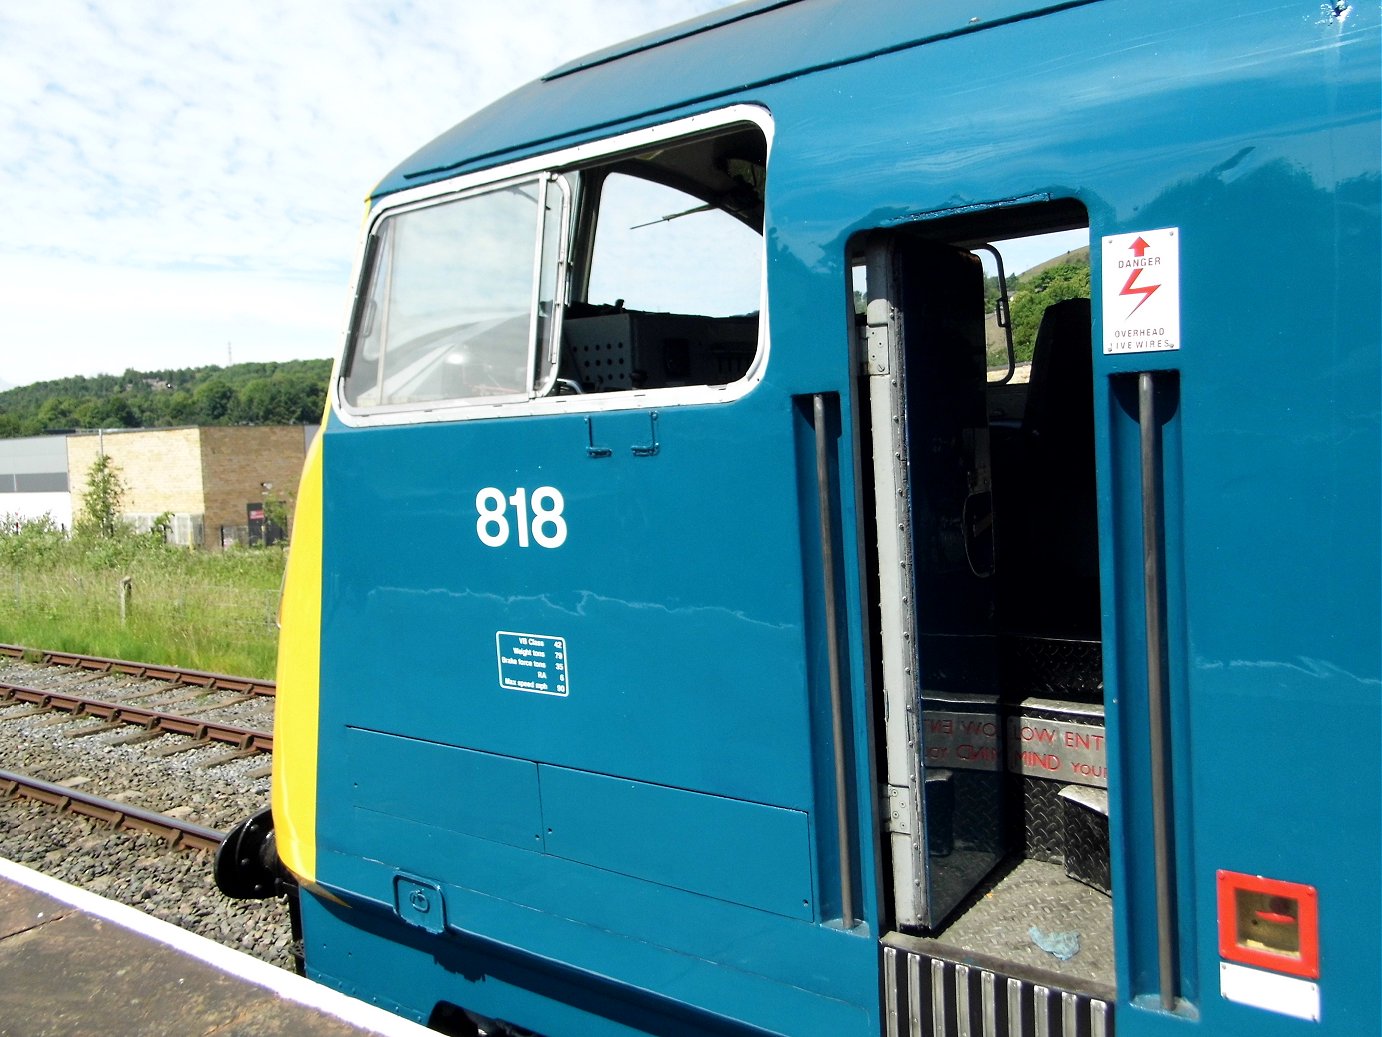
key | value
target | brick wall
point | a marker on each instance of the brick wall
(160, 468)
(237, 461)
(209, 474)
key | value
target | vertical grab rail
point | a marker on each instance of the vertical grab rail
(833, 655)
(1153, 581)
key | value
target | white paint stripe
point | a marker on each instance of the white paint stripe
(287, 985)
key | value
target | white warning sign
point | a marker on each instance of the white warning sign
(1142, 291)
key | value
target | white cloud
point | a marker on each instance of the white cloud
(176, 176)
(87, 317)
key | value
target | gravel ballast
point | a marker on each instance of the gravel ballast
(136, 869)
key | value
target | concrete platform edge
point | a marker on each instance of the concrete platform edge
(284, 984)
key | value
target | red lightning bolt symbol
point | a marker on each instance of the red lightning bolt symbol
(1145, 290)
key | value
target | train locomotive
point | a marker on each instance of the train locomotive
(702, 619)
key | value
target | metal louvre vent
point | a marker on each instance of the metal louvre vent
(933, 997)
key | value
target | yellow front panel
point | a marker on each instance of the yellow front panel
(299, 681)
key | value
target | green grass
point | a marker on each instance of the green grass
(205, 610)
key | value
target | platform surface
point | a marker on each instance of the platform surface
(73, 963)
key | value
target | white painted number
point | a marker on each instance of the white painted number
(545, 524)
(491, 527)
(549, 528)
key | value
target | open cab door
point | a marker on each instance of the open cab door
(987, 636)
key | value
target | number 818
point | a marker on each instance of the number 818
(537, 517)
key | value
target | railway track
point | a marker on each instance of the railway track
(117, 713)
(206, 707)
(120, 702)
(154, 671)
(178, 833)
(113, 770)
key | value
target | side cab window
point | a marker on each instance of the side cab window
(447, 313)
(632, 272)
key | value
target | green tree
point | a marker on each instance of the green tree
(106, 412)
(101, 500)
(214, 400)
(54, 413)
(180, 409)
(280, 398)
(262, 393)
(263, 401)
(161, 527)
(1055, 284)
(276, 521)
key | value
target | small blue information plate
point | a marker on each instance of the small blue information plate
(532, 662)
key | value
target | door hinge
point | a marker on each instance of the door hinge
(899, 810)
(877, 335)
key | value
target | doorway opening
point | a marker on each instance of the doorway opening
(976, 341)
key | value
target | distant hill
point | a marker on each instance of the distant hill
(1079, 256)
(285, 393)
(1029, 293)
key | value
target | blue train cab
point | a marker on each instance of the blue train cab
(845, 518)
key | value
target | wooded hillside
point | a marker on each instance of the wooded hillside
(286, 393)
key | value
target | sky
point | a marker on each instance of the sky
(182, 183)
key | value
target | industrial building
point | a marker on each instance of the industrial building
(212, 482)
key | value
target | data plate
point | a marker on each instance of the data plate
(532, 662)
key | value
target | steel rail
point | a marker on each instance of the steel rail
(120, 816)
(150, 719)
(172, 674)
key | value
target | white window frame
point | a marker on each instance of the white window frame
(553, 164)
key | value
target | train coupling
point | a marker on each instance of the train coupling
(247, 868)
(247, 864)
